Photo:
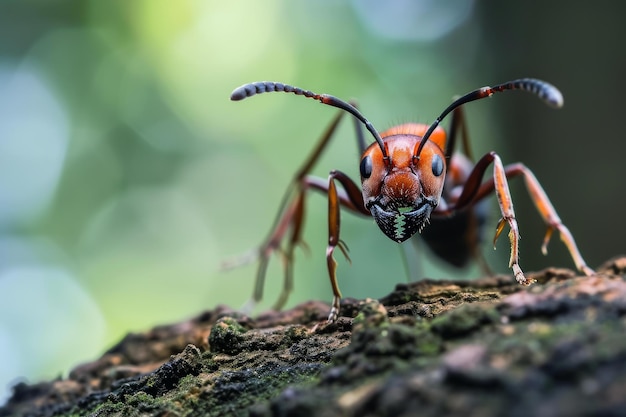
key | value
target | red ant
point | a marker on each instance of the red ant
(410, 178)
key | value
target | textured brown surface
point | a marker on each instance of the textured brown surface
(472, 348)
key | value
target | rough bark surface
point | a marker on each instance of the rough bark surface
(487, 347)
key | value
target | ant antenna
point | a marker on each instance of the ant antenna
(249, 90)
(545, 91)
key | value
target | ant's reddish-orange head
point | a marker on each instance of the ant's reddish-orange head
(402, 190)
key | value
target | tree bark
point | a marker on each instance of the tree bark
(488, 347)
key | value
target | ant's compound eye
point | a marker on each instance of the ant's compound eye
(437, 165)
(366, 166)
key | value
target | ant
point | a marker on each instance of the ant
(410, 177)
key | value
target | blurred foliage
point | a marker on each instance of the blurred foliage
(127, 176)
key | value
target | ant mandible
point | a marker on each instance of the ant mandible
(410, 177)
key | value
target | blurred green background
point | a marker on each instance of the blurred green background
(127, 176)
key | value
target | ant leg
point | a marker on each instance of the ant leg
(474, 191)
(551, 218)
(334, 216)
(350, 199)
(503, 195)
(546, 211)
(500, 186)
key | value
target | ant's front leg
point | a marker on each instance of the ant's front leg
(474, 191)
(352, 193)
(546, 211)
(292, 219)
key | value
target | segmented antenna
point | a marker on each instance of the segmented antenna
(545, 91)
(251, 89)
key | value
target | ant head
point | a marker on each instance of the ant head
(402, 194)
